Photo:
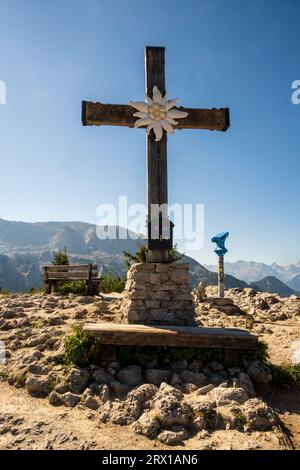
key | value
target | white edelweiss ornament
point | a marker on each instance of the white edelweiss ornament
(157, 113)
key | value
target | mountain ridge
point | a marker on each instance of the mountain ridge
(26, 246)
(253, 271)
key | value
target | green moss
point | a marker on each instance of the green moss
(81, 348)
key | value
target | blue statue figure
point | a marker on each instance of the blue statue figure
(220, 250)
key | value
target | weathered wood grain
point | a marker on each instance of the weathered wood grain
(100, 114)
(157, 181)
(70, 267)
(172, 336)
(54, 274)
(72, 275)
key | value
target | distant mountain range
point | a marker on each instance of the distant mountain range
(273, 285)
(26, 247)
(275, 277)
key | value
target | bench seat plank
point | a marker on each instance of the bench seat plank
(71, 275)
(172, 336)
(70, 267)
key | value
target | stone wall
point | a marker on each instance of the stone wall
(158, 293)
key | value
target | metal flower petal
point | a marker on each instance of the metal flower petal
(175, 113)
(167, 126)
(157, 114)
(139, 105)
(142, 122)
(171, 103)
(139, 114)
(171, 121)
(158, 131)
(157, 96)
(149, 100)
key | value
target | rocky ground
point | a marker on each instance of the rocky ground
(45, 404)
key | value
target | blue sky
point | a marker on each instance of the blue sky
(241, 54)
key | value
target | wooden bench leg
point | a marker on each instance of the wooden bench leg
(89, 289)
(109, 353)
(55, 287)
(231, 357)
(48, 288)
(95, 288)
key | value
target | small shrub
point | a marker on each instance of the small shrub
(53, 380)
(81, 348)
(259, 354)
(4, 292)
(142, 253)
(61, 257)
(72, 287)
(286, 373)
(21, 380)
(239, 415)
(142, 355)
(3, 376)
(109, 283)
(33, 290)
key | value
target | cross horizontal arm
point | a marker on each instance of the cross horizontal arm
(100, 114)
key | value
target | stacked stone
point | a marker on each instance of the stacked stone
(199, 292)
(158, 293)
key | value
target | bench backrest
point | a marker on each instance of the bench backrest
(70, 272)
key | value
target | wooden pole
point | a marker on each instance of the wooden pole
(157, 176)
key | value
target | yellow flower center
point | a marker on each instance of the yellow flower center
(157, 112)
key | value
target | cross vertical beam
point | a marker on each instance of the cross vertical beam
(157, 175)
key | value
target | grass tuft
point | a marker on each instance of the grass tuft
(286, 374)
(81, 348)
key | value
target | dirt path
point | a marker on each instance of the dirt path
(31, 423)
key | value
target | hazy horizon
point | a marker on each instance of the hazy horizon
(214, 259)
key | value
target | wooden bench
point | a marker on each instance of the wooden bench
(232, 340)
(88, 273)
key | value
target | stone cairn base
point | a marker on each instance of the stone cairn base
(158, 294)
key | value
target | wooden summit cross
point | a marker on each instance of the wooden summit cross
(98, 114)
